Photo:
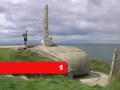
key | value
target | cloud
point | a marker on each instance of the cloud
(69, 20)
(95, 2)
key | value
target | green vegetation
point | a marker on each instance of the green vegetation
(103, 67)
(114, 85)
(56, 82)
(48, 82)
(100, 66)
(22, 55)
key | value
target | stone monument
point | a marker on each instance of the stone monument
(47, 41)
(77, 59)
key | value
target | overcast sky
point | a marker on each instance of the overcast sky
(84, 21)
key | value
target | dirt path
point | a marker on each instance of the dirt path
(94, 78)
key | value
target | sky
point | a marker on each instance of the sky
(83, 21)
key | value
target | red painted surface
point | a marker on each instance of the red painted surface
(33, 68)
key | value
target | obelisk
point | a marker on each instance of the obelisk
(47, 41)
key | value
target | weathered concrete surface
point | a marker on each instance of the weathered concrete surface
(50, 56)
(76, 58)
(20, 46)
(94, 78)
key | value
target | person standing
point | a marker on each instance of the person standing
(25, 38)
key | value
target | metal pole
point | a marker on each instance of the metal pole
(112, 66)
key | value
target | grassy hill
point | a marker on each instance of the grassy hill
(7, 54)
(48, 82)
(100, 66)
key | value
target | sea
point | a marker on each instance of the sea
(102, 52)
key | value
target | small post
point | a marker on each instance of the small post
(112, 66)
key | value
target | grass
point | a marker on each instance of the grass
(100, 66)
(48, 82)
(54, 83)
(7, 54)
(114, 85)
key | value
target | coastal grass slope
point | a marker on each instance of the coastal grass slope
(7, 54)
(48, 82)
(100, 66)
